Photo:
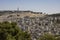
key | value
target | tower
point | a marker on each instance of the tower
(17, 9)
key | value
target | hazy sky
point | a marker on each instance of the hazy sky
(48, 6)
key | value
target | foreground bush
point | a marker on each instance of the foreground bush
(49, 37)
(10, 31)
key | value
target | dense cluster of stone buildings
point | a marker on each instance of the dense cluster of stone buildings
(38, 26)
(35, 25)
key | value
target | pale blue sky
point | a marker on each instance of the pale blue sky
(47, 6)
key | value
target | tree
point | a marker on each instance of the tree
(10, 31)
(47, 37)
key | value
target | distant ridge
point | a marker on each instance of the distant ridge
(20, 12)
(54, 15)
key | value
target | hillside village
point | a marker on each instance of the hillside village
(36, 23)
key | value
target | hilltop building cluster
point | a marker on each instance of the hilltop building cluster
(35, 23)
